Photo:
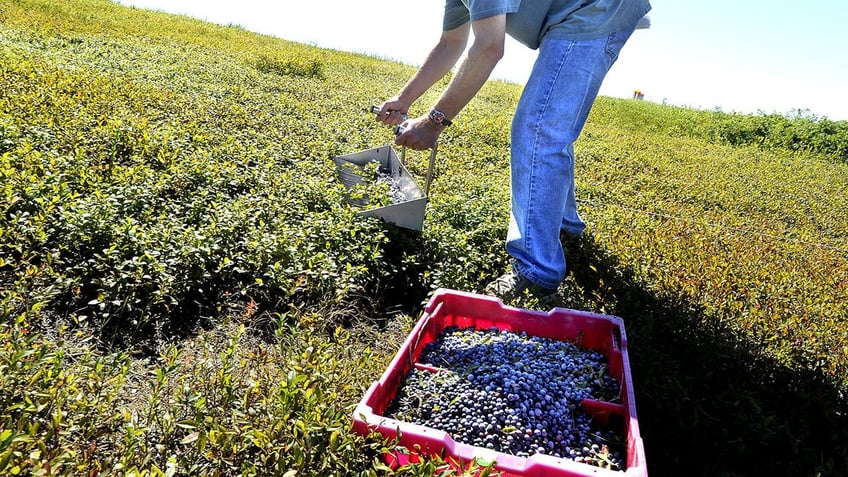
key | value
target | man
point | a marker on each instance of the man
(578, 41)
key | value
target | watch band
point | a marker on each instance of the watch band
(438, 117)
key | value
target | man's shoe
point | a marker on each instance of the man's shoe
(512, 285)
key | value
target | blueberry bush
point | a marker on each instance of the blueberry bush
(185, 290)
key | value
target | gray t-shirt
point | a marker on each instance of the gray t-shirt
(529, 21)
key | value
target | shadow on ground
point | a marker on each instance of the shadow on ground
(709, 403)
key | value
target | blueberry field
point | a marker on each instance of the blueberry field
(185, 290)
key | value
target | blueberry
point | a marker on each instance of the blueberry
(522, 392)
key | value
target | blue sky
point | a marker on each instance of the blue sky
(771, 56)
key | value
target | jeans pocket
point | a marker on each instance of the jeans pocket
(610, 48)
(615, 41)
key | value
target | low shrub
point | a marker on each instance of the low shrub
(290, 66)
(160, 190)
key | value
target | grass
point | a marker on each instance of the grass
(184, 290)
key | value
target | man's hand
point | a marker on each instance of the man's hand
(392, 112)
(419, 133)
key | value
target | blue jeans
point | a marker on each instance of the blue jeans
(550, 116)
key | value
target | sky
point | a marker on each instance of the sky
(756, 56)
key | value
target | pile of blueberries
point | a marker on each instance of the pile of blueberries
(396, 193)
(513, 393)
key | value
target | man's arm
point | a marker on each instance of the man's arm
(438, 63)
(485, 52)
(483, 56)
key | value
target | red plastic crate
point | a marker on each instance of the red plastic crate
(465, 310)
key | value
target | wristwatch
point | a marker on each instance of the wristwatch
(438, 117)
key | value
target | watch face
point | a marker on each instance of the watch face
(438, 117)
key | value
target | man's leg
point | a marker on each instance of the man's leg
(550, 116)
